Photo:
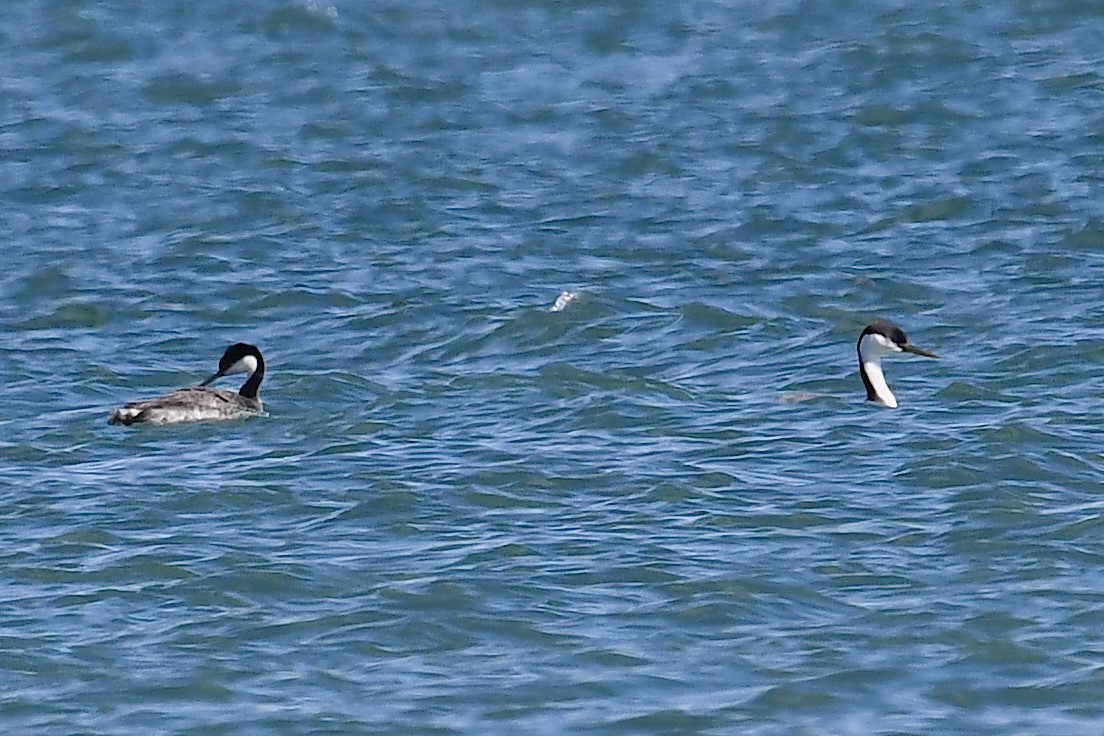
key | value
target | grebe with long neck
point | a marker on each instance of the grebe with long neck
(203, 403)
(876, 341)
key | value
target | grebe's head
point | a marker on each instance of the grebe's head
(885, 338)
(238, 358)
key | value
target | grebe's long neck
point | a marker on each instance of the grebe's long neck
(876, 387)
(253, 384)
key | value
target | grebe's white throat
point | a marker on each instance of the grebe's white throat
(878, 340)
(200, 403)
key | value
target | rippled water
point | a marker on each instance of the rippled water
(663, 507)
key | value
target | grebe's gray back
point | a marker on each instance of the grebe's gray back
(877, 340)
(203, 403)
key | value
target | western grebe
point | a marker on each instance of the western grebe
(876, 341)
(200, 403)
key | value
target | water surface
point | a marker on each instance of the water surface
(468, 512)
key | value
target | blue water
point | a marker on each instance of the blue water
(662, 509)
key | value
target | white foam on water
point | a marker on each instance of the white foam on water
(565, 298)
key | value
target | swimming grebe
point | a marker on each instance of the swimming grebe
(202, 403)
(877, 340)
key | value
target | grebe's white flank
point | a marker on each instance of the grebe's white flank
(202, 403)
(876, 341)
